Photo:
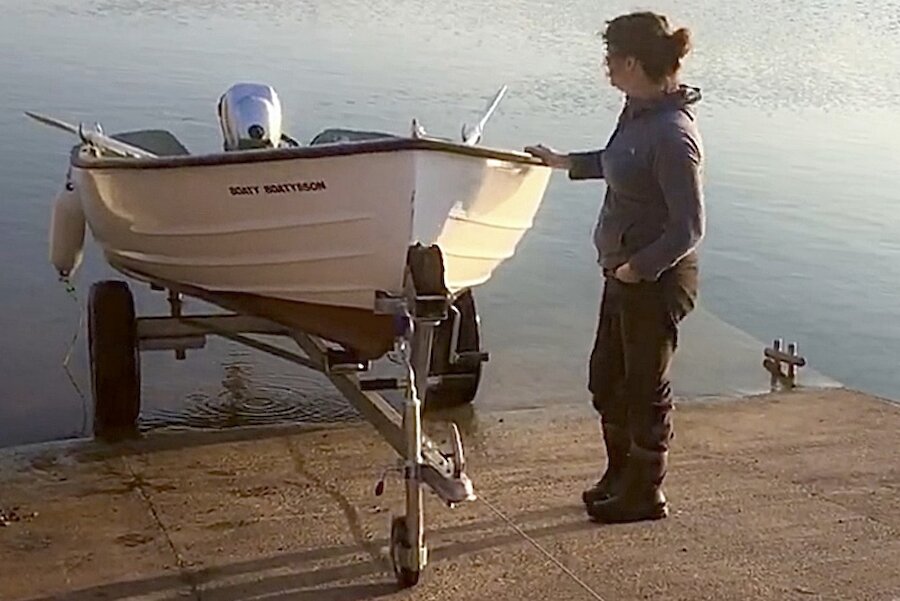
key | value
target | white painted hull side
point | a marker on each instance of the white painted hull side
(329, 230)
(475, 210)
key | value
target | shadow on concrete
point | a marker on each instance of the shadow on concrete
(336, 583)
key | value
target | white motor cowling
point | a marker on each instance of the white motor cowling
(67, 225)
(250, 117)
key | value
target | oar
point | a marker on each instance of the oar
(53, 122)
(94, 137)
(472, 136)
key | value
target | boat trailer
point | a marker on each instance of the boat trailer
(117, 336)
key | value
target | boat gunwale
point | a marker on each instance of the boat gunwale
(394, 144)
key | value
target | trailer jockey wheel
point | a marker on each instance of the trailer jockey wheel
(115, 360)
(459, 380)
(400, 550)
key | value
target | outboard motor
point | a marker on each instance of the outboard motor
(250, 116)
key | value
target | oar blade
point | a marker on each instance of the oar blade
(472, 135)
(52, 122)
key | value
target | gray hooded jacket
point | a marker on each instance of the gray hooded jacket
(653, 214)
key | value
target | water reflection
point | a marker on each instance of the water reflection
(248, 399)
(799, 117)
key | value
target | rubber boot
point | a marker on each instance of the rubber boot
(641, 497)
(617, 441)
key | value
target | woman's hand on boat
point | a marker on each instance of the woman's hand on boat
(550, 157)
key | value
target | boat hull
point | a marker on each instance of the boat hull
(331, 229)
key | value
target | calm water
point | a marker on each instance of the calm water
(801, 128)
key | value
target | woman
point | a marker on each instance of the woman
(650, 224)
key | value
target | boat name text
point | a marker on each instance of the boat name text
(277, 188)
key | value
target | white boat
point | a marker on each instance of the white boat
(308, 235)
(309, 243)
(328, 223)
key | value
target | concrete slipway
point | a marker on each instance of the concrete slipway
(782, 496)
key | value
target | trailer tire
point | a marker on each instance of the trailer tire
(464, 378)
(399, 545)
(115, 360)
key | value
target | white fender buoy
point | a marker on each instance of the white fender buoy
(67, 227)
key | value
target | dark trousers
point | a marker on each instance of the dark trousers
(636, 340)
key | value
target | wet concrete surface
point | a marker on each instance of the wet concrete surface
(783, 496)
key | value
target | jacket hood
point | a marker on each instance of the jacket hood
(682, 98)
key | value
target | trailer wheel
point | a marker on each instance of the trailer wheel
(115, 359)
(406, 577)
(460, 380)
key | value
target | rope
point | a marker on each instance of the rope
(594, 594)
(73, 293)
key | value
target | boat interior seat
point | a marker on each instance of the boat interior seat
(158, 141)
(337, 135)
